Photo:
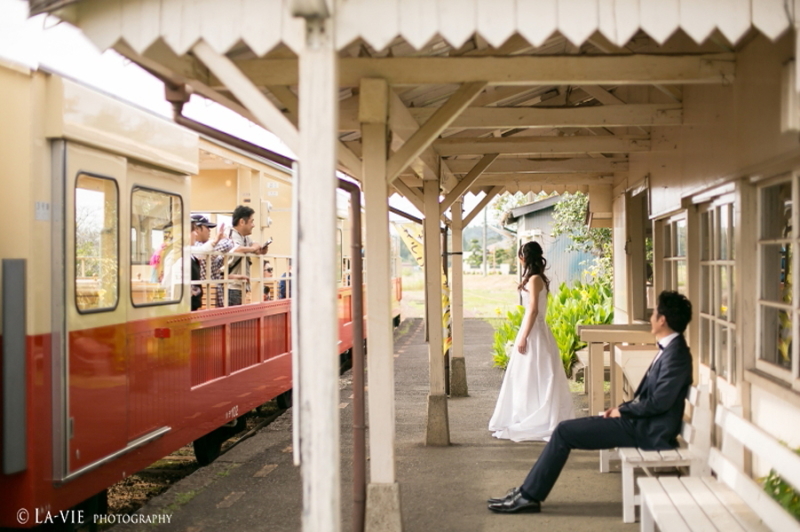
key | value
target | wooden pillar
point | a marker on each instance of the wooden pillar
(458, 379)
(383, 494)
(693, 235)
(314, 294)
(618, 238)
(438, 428)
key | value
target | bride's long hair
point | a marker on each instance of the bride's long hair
(533, 263)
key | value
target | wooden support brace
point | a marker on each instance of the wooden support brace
(425, 135)
(467, 182)
(249, 95)
(410, 194)
(483, 203)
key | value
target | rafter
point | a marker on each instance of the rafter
(543, 166)
(593, 116)
(541, 145)
(538, 117)
(517, 70)
(602, 95)
(546, 179)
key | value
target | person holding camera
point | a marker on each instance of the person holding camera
(243, 222)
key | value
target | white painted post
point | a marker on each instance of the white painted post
(314, 294)
(458, 379)
(383, 493)
(438, 428)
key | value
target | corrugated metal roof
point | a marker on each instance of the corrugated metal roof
(532, 207)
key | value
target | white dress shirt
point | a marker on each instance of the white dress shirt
(663, 343)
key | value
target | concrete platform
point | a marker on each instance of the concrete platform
(255, 486)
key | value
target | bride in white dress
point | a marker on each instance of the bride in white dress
(535, 395)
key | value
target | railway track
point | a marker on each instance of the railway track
(127, 496)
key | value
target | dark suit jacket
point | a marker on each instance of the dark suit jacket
(656, 411)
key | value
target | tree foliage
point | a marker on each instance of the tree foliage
(475, 257)
(504, 203)
(569, 218)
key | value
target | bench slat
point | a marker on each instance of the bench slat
(686, 505)
(650, 456)
(630, 454)
(763, 445)
(670, 455)
(736, 506)
(661, 507)
(688, 455)
(770, 512)
(711, 505)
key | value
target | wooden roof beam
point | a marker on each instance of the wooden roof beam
(537, 117)
(541, 145)
(541, 117)
(545, 179)
(544, 166)
(517, 70)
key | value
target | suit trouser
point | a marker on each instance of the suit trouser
(587, 433)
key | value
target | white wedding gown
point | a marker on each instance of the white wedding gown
(535, 394)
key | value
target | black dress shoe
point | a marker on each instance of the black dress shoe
(511, 493)
(516, 504)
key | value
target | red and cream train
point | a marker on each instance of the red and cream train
(104, 367)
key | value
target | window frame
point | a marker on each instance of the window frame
(709, 308)
(669, 274)
(179, 300)
(75, 243)
(791, 375)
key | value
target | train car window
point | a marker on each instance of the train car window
(96, 243)
(156, 247)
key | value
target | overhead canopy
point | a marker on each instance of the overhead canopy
(263, 24)
(488, 95)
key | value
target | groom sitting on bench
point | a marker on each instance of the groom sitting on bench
(651, 421)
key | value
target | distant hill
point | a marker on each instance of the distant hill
(476, 232)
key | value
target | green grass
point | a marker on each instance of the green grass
(483, 297)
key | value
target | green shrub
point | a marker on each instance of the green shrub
(783, 493)
(583, 304)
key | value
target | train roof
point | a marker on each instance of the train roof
(89, 116)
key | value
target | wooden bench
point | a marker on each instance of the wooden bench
(696, 436)
(732, 501)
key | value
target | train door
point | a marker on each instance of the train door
(93, 374)
(158, 337)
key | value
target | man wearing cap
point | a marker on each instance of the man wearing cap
(204, 246)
